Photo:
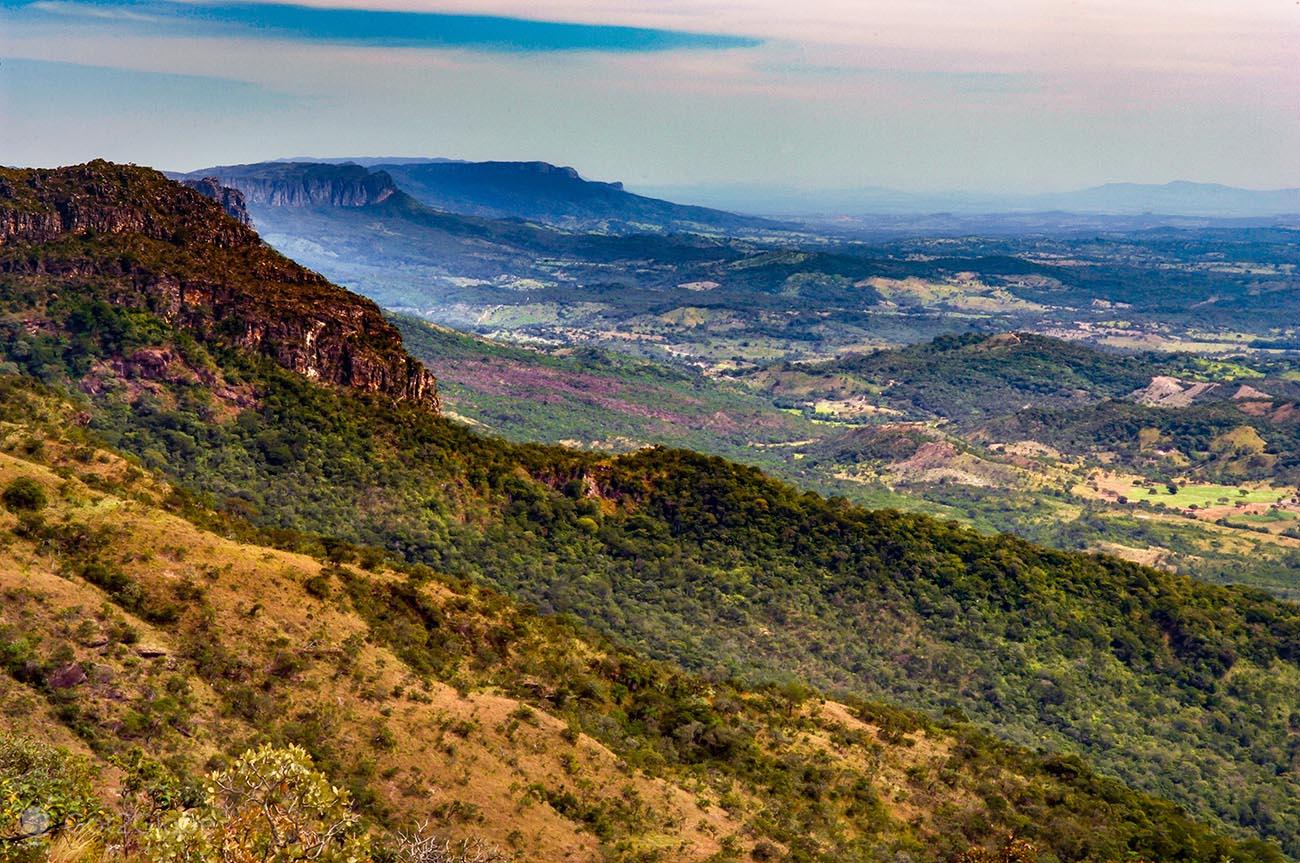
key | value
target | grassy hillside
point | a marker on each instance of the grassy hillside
(526, 394)
(1179, 688)
(128, 628)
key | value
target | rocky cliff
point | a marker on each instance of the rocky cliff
(142, 240)
(293, 184)
(534, 191)
(231, 200)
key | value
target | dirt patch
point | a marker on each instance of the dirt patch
(1170, 392)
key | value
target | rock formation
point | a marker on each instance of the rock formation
(311, 185)
(230, 199)
(167, 248)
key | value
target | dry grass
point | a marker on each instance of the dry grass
(260, 607)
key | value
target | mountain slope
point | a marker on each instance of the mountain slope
(130, 627)
(290, 184)
(1180, 688)
(160, 252)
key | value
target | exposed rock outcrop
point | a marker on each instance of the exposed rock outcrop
(1165, 391)
(66, 676)
(44, 205)
(230, 199)
(172, 250)
(310, 185)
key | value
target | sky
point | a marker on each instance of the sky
(920, 95)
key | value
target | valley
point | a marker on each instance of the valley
(764, 317)
(759, 292)
(874, 435)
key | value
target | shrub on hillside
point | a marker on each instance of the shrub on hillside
(24, 495)
(272, 806)
(42, 790)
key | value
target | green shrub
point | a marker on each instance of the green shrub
(272, 805)
(42, 789)
(318, 586)
(24, 495)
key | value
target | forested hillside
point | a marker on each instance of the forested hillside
(1181, 689)
(972, 377)
(156, 641)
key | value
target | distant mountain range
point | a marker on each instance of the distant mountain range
(532, 191)
(1180, 198)
(357, 224)
(560, 196)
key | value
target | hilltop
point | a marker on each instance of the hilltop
(158, 251)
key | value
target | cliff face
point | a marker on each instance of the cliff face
(156, 244)
(231, 200)
(315, 334)
(298, 185)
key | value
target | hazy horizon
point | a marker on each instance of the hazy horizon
(409, 158)
(1015, 97)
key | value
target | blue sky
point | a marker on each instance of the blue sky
(1005, 95)
(391, 28)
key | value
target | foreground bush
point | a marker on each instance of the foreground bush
(43, 790)
(270, 807)
(24, 495)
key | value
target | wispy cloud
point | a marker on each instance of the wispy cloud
(922, 94)
(91, 81)
(385, 27)
(87, 10)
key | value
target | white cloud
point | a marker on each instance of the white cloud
(1013, 94)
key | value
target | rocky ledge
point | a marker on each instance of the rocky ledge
(296, 184)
